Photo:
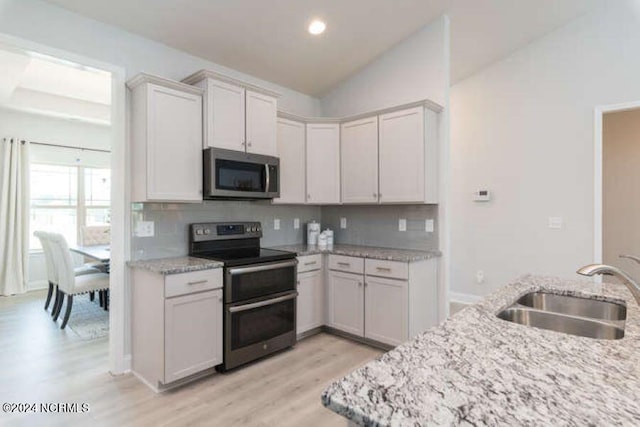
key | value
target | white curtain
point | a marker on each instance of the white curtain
(14, 216)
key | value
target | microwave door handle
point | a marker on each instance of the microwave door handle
(268, 178)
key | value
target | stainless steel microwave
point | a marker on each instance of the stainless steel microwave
(232, 174)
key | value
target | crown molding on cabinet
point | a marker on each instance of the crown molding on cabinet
(161, 81)
(204, 74)
(437, 108)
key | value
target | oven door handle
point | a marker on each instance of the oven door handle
(263, 267)
(258, 304)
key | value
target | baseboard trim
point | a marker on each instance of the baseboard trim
(461, 298)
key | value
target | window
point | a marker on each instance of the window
(66, 198)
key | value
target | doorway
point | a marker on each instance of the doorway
(119, 212)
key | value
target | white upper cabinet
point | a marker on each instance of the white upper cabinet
(224, 114)
(291, 142)
(323, 163)
(261, 119)
(359, 148)
(402, 156)
(238, 115)
(166, 127)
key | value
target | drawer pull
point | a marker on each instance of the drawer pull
(346, 264)
(197, 282)
(383, 269)
(310, 263)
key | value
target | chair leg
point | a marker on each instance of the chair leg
(59, 309)
(92, 296)
(101, 298)
(106, 300)
(68, 312)
(56, 302)
(49, 295)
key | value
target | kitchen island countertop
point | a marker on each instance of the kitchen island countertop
(477, 369)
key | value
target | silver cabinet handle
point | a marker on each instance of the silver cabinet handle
(366, 284)
(197, 282)
(346, 264)
(308, 196)
(310, 263)
(249, 143)
(259, 304)
(375, 196)
(359, 283)
(268, 177)
(383, 269)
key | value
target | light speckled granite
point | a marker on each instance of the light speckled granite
(175, 265)
(476, 369)
(389, 254)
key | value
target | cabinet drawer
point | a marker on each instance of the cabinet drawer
(346, 263)
(309, 263)
(381, 268)
(196, 281)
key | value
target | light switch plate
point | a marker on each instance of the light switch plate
(296, 223)
(428, 225)
(343, 223)
(556, 222)
(145, 229)
(276, 224)
(402, 224)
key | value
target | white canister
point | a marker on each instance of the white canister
(312, 238)
(329, 233)
(313, 227)
(322, 241)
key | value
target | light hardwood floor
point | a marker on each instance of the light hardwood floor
(39, 363)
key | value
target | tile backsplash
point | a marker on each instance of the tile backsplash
(366, 225)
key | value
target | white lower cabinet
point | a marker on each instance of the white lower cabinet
(176, 325)
(310, 309)
(193, 334)
(386, 310)
(346, 302)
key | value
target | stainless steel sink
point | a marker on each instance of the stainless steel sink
(561, 323)
(574, 306)
(568, 314)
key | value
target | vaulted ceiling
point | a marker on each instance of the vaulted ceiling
(268, 39)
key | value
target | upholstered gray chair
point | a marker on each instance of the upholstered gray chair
(69, 284)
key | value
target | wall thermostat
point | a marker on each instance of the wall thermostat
(481, 196)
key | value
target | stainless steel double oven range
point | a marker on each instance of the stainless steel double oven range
(259, 289)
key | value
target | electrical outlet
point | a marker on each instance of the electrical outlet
(428, 225)
(276, 224)
(145, 229)
(343, 223)
(402, 224)
(296, 223)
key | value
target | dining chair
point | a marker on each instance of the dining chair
(52, 274)
(69, 284)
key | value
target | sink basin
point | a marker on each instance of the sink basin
(574, 306)
(562, 323)
(573, 315)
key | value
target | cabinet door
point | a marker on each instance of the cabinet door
(174, 145)
(225, 116)
(402, 156)
(310, 310)
(346, 302)
(359, 148)
(193, 334)
(386, 310)
(291, 138)
(323, 163)
(261, 123)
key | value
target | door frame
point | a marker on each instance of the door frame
(599, 112)
(119, 360)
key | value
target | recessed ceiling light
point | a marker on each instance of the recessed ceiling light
(317, 27)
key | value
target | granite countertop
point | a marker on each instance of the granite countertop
(373, 252)
(174, 265)
(478, 369)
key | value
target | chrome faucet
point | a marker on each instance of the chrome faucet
(631, 257)
(593, 269)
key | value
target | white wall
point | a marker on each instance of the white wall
(415, 69)
(53, 26)
(523, 128)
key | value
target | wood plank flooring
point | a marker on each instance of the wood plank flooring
(39, 363)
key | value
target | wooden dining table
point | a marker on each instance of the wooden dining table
(101, 253)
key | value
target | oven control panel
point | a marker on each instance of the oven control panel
(224, 230)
